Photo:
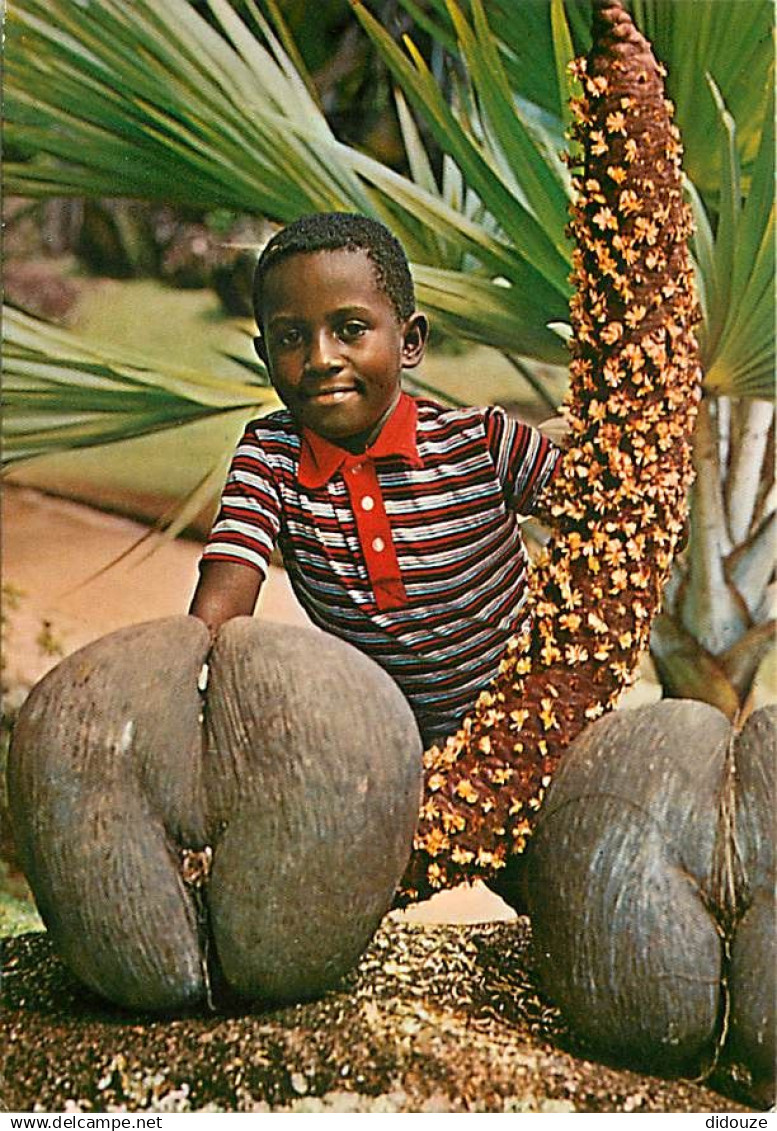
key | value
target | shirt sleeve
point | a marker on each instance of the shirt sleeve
(524, 458)
(249, 517)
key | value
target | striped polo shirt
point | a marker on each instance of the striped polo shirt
(411, 551)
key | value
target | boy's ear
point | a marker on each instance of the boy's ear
(415, 334)
(261, 349)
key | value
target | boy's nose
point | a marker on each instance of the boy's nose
(323, 354)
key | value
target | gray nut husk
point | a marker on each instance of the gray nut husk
(251, 829)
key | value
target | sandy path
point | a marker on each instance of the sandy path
(51, 550)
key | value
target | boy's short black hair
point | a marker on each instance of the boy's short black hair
(334, 231)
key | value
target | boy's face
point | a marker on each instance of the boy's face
(334, 345)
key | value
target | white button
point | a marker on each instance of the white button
(378, 544)
(368, 502)
(356, 468)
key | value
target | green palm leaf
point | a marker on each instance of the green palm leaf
(62, 392)
(531, 218)
(738, 334)
(729, 39)
(151, 101)
(519, 317)
(732, 42)
(158, 105)
(522, 43)
(735, 241)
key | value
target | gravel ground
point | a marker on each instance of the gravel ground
(434, 1019)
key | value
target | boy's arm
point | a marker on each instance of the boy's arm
(525, 459)
(556, 430)
(225, 590)
(237, 554)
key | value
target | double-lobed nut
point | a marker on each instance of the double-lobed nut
(246, 830)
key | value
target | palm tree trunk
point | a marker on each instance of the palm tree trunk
(718, 621)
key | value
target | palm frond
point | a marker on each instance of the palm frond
(63, 392)
(736, 265)
(732, 42)
(153, 102)
(518, 317)
(532, 219)
(521, 42)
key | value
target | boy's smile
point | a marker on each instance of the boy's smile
(335, 345)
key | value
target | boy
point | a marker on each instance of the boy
(396, 518)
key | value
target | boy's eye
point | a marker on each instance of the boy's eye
(288, 338)
(352, 329)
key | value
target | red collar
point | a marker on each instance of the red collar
(320, 459)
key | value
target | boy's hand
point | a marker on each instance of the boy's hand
(556, 428)
(225, 590)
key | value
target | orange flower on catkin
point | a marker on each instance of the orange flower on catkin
(618, 501)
